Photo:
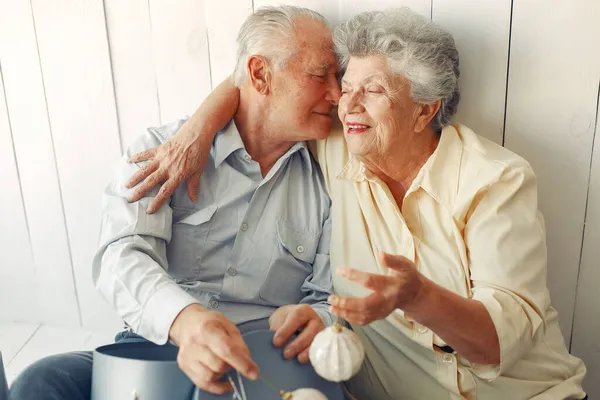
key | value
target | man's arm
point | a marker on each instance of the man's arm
(129, 269)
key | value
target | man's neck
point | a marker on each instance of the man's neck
(261, 139)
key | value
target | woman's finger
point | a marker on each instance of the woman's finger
(149, 183)
(354, 317)
(374, 301)
(192, 187)
(395, 262)
(368, 280)
(166, 191)
(141, 174)
(143, 155)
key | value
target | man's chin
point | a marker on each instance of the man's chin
(321, 130)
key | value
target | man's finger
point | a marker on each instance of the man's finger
(232, 350)
(303, 357)
(293, 322)
(371, 281)
(143, 155)
(211, 361)
(141, 174)
(303, 340)
(192, 187)
(204, 378)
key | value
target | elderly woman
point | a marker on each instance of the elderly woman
(447, 285)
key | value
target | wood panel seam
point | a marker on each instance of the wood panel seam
(58, 180)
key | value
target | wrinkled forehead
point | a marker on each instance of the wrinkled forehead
(313, 55)
(314, 45)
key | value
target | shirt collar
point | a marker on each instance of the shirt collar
(228, 141)
(438, 176)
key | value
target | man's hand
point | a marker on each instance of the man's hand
(209, 345)
(291, 318)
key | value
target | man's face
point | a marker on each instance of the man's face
(306, 89)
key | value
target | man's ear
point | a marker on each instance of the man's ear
(260, 74)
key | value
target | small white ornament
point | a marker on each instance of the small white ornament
(336, 353)
(303, 394)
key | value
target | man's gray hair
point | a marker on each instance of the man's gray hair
(269, 32)
(421, 51)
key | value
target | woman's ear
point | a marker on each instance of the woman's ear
(260, 74)
(426, 112)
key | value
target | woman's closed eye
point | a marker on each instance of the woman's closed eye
(375, 89)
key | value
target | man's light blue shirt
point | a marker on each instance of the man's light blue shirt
(247, 246)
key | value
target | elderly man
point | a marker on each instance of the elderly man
(255, 243)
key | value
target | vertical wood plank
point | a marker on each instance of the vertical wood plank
(481, 31)
(586, 326)
(74, 56)
(329, 9)
(349, 8)
(53, 280)
(180, 53)
(16, 264)
(224, 19)
(551, 106)
(130, 40)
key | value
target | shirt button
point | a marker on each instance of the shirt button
(448, 359)
(214, 304)
(247, 157)
(422, 329)
(244, 227)
(300, 249)
(231, 271)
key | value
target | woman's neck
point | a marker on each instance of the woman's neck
(401, 164)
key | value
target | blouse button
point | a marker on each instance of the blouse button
(448, 359)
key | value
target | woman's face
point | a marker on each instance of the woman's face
(375, 108)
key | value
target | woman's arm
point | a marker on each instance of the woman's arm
(464, 324)
(499, 323)
(183, 157)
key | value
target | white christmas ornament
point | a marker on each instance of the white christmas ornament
(336, 353)
(303, 394)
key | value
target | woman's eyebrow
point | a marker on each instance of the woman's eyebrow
(366, 80)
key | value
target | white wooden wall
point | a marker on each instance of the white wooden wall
(79, 79)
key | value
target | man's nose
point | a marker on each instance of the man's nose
(333, 91)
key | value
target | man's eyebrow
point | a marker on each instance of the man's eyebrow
(325, 66)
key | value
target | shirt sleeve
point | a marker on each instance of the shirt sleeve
(505, 238)
(130, 266)
(318, 286)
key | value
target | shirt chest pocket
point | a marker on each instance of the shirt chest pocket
(189, 233)
(291, 263)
